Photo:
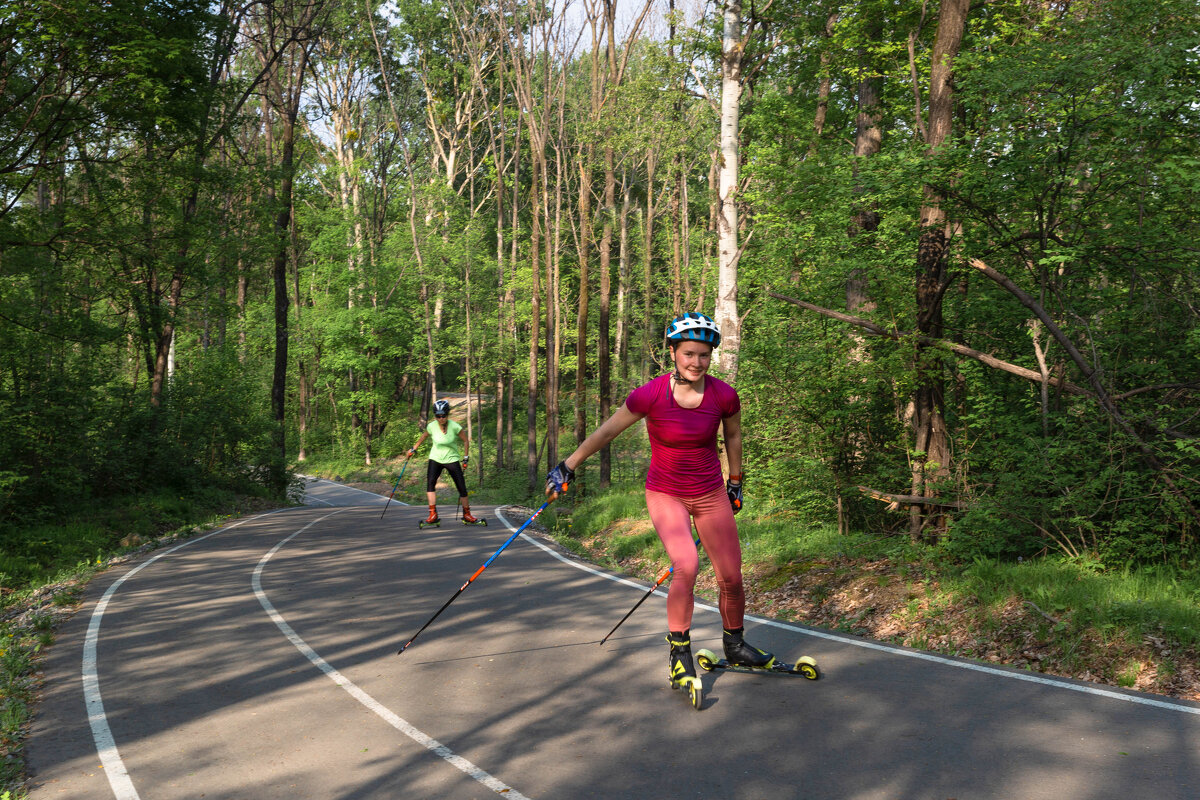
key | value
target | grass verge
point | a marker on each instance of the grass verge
(1138, 627)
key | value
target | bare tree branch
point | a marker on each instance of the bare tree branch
(896, 335)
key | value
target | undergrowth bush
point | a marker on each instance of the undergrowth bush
(36, 552)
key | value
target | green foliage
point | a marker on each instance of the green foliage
(1074, 495)
(18, 658)
(1147, 601)
(602, 510)
(32, 551)
(145, 204)
(104, 441)
(1075, 181)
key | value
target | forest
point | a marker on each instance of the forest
(951, 246)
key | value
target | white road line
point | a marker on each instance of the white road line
(106, 747)
(391, 718)
(869, 645)
(378, 497)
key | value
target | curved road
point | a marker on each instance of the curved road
(258, 661)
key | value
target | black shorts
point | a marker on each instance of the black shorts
(434, 471)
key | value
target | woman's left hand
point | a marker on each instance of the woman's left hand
(733, 488)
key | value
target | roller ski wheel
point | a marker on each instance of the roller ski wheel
(804, 666)
(694, 689)
(423, 524)
(474, 521)
(681, 671)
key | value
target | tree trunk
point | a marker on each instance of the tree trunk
(622, 346)
(303, 379)
(279, 275)
(535, 235)
(604, 348)
(585, 242)
(726, 315)
(550, 257)
(510, 301)
(823, 87)
(502, 310)
(931, 446)
(649, 343)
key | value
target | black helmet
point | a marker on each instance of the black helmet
(441, 408)
(695, 326)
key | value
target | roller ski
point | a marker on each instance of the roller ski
(432, 521)
(681, 669)
(467, 519)
(742, 657)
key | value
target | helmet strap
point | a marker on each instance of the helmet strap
(676, 375)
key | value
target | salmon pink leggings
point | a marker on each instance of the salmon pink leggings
(673, 517)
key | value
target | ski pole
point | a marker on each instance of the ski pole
(666, 573)
(471, 579)
(390, 496)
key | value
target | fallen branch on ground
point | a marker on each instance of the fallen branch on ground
(897, 500)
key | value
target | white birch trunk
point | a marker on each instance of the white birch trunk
(726, 314)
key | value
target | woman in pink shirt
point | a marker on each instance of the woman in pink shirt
(684, 412)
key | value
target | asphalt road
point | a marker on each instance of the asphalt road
(259, 661)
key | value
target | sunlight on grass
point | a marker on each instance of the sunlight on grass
(1165, 601)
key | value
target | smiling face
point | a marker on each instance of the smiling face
(692, 359)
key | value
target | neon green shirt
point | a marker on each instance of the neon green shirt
(446, 445)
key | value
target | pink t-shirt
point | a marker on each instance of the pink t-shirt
(683, 441)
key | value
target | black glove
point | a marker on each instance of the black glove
(559, 478)
(733, 488)
(466, 458)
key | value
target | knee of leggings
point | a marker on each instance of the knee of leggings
(730, 586)
(685, 569)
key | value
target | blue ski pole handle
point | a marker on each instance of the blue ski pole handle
(397, 483)
(477, 573)
(666, 573)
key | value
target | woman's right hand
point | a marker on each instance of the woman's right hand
(558, 480)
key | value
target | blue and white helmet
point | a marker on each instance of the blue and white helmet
(694, 326)
(441, 408)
